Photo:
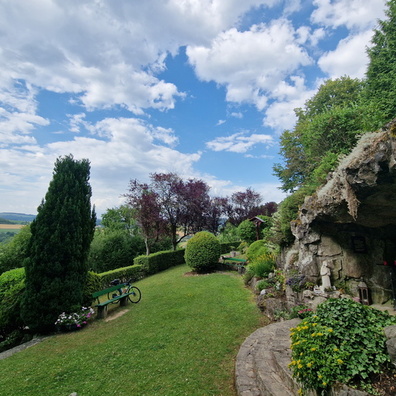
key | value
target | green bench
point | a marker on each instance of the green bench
(102, 306)
(238, 262)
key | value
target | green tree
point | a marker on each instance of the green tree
(120, 218)
(380, 87)
(13, 253)
(247, 231)
(329, 125)
(56, 267)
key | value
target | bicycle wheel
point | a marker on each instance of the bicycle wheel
(112, 295)
(135, 295)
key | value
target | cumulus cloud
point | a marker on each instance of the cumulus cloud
(250, 63)
(239, 142)
(354, 14)
(349, 58)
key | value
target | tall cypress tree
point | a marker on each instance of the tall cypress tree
(56, 266)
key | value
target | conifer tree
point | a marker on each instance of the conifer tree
(56, 266)
(381, 71)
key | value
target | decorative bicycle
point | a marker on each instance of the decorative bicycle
(133, 292)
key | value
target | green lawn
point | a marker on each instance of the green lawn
(181, 339)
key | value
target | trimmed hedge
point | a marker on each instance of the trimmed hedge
(134, 272)
(160, 261)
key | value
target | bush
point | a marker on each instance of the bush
(226, 247)
(344, 342)
(113, 249)
(160, 261)
(256, 249)
(247, 231)
(92, 284)
(202, 252)
(133, 272)
(12, 286)
(14, 252)
(261, 267)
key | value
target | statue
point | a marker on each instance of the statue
(325, 274)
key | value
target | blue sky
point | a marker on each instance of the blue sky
(203, 88)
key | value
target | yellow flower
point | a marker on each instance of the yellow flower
(339, 361)
(319, 334)
(335, 349)
(310, 364)
(320, 376)
(324, 383)
(313, 334)
(314, 324)
(300, 366)
(313, 349)
(301, 354)
(330, 330)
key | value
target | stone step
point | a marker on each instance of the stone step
(261, 367)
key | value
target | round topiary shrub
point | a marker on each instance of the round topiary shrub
(202, 252)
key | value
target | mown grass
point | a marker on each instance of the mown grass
(181, 339)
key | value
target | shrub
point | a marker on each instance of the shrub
(247, 231)
(113, 249)
(262, 265)
(92, 284)
(344, 342)
(134, 272)
(12, 285)
(257, 248)
(160, 261)
(202, 252)
(14, 252)
(226, 247)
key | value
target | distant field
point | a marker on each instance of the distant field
(11, 226)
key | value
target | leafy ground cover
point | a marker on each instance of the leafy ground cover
(181, 339)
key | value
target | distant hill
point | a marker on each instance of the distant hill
(17, 216)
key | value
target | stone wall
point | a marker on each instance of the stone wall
(351, 221)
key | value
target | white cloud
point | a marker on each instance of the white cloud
(354, 14)
(239, 142)
(349, 58)
(220, 122)
(288, 96)
(250, 63)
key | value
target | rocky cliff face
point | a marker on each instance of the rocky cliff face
(351, 221)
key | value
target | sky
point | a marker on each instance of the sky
(201, 88)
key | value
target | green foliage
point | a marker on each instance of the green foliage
(262, 266)
(327, 126)
(134, 272)
(120, 218)
(202, 252)
(380, 88)
(160, 261)
(280, 232)
(113, 249)
(343, 342)
(12, 284)
(227, 247)
(92, 284)
(229, 233)
(257, 248)
(56, 267)
(247, 231)
(13, 253)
